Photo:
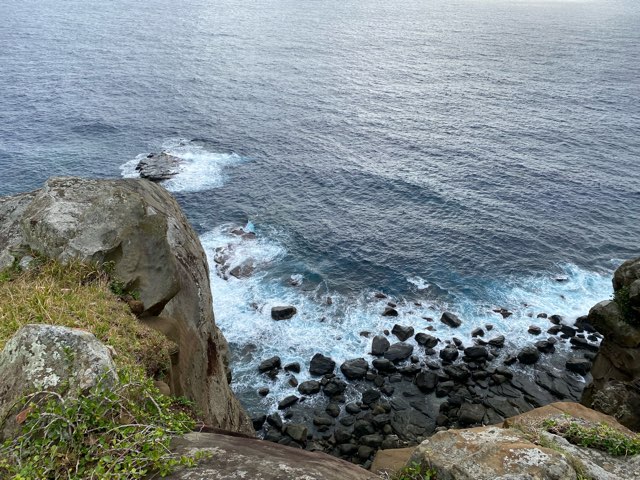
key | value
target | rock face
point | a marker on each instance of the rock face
(615, 389)
(237, 457)
(501, 452)
(138, 226)
(158, 166)
(44, 357)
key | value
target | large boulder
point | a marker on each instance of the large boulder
(238, 457)
(46, 357)
(615, 388)
(138, 227)
(514, 450)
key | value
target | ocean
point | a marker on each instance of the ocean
(461, 155)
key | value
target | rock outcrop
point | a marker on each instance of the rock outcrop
(46, 357)
(514, 450)
(615, 389)
(139, 227)
(238, 457)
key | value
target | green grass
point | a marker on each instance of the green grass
(415, 471)
(80, 296)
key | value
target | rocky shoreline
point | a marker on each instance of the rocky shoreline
(416, 382)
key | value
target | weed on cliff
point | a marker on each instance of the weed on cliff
(119, 432)
(79, 295)
(599, 436)
(621, 298)
(414, 471)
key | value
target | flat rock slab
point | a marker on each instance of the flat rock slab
(391, 460)
(238, 457)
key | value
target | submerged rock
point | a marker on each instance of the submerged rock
(450, 319)
(283, 312)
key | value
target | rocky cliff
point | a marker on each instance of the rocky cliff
(138, 227)
(615, 389)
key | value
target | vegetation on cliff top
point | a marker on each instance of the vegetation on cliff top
(78, 295)
(116, 433)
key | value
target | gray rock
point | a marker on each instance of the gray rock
(471, 414)
(297, 432)
(354, 369)
(403, 332)
(158, 166)
(399, 351)
(379, 345)
(310, 387)
(46, 357)
(287, 402)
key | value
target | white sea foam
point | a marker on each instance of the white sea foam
(199, 170)
(419, 282)
(243, 306)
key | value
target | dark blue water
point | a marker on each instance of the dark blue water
(461, 152)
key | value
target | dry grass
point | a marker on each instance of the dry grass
(78, 295)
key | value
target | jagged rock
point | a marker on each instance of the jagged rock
(476, 353)
(138, 226)
(321, 365)
(450, 319)
(497, 342)
(578, 365)
(528, 355)
(46, 357)
(429, 341)
(426, 381)
(292, 367)
(354, 369)
(384, 365)
(379, 345)
(275, 420)
(287, 402)
(398, 352)
(471, 414)
(449, 353)
(297, 432)
(402, 332)
(283, 312)
(269, 364)
(158, 166)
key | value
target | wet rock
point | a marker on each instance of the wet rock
(497, 342)
(364, 452)
(429, 341)
(457, 373)
(333, 409)
(379, 345)
(352, 408)
(362, 428)
(581, 343)
(354, 369)
(321, 365)
(323, 421)
(510, 360)
(555, 319)
(370, 396)
(402, 332)
(503, 311)
(568, 331)
(263, 391)
(310, 387)
(554, 330)
(578, 365)
(528, 355)
(541, 315)
(477, 332)
(244, 270)
(398, 352)
(534, 330)
(292, 367)
(258, 421)
(384, 365)
(476, 353)
(269, 364)
(545, 346)
(374, 440)
(334, 387)
(283, 312)
(379, 295)
(287, 402)
(582, 324)
(275, 420)
(389, 312)
(449, 353)
(158, 166)
(450, 319)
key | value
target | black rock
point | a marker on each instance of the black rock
(258, 421)
(582, 323)
(352, 408)
(457, 341)
(362, 428)
(381, 420)
(458, 373)
(284, 312)
(321, 365)
(581, 343)
(354, 369)
(477, 332)
(555, 319)
(542, 315)
(429, 341)
(534, 330)
(310, 387)
(568, 331)
(297, 432)
(471, 414)
(554, 329)
(444, 388)
(403, 332)
(390, 312)
(347, 449)
(379, 345)
(341, 435)
(373, 440)
(450, 319)
(510, 360)
(370, 396)
(269, 364)
(275, 420)
(384, 365)
(497, 342)
(263, 391)
(323, 420)
(398, 352)
(449, 353)
(579, 365)
(476, 353)
(333, 409)
(387, 390)
(334, 387)
(292, 367)
(503, 311)
(545, 346)
(528, 355)
(287, 402)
